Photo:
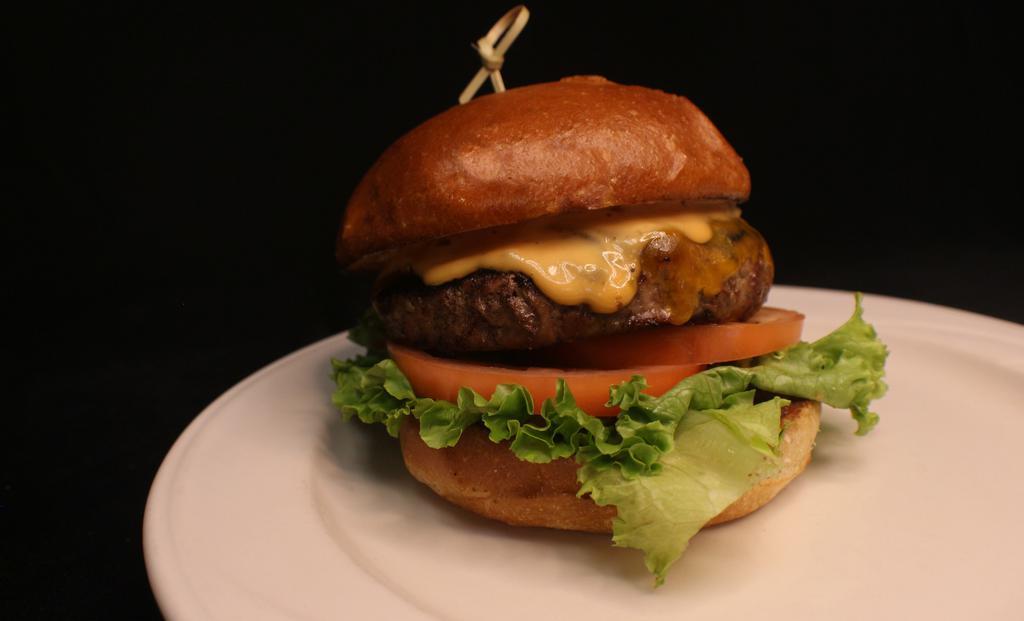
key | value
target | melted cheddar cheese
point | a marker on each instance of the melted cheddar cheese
(595, 258)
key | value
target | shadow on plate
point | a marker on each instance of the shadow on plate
(832, 448)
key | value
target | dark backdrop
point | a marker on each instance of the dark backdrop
(180, 174)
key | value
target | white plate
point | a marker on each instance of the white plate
(269, 507)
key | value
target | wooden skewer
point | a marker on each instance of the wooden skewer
(492, 51)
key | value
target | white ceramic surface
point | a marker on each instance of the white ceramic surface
(269, 507)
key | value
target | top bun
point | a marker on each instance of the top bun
(578, 144)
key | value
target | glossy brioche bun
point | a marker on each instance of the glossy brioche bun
(578, 144)
(488, 479)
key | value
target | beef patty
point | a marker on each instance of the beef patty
(679, 282)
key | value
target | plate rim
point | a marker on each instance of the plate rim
(155, 550)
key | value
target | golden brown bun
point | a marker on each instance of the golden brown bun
(488, 479)
(578, 144)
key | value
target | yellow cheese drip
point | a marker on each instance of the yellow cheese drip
(590, 258)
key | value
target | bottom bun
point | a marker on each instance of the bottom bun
(488, 479)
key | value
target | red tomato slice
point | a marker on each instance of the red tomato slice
(771, 329)
(441, 378)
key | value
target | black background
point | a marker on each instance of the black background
(180, 174)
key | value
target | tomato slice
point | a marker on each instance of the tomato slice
(441, 378)
(770, 329)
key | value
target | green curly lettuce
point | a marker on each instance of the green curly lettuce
(373, 392)
(719, 453)
(669, 464)
(843, 369)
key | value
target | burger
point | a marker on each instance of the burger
(567, 326)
